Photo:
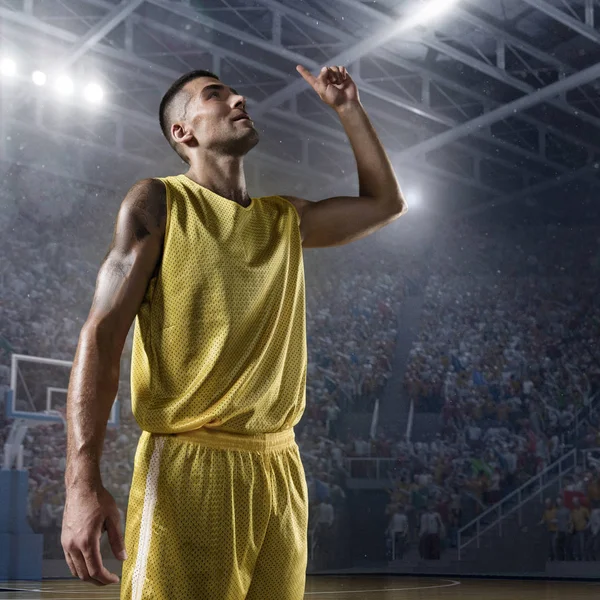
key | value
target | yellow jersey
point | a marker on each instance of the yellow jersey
(549, 518)
(580, 517)
(220, 336)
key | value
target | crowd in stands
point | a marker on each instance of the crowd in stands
(507, 356)
(510, 362)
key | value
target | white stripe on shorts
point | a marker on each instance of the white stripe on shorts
(139, 571)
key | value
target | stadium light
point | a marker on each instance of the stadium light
(38, 78)
(64, 85)
(414, 197)
(8, 67)
(428, 12)
(93, 93)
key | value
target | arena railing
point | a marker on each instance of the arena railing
(514, 501)
(582, 416)
(409, 423)
(591, 458)
(372, 467)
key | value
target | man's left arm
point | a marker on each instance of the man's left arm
(344, 219)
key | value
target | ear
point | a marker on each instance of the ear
(181, 134)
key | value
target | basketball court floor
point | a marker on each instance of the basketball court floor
(347, 588)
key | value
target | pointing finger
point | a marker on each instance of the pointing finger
(307, 75)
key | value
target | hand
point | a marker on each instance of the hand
(334, 86)
(88, 512)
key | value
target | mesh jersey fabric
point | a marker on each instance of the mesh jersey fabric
(220, 336)
(211, 518)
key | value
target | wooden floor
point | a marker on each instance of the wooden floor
(350, 588)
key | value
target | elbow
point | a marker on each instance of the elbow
(398, 205)
(402, 205)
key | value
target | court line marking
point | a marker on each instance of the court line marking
(109, 595)
(453, 583)
(106, 594)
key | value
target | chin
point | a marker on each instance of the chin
(244, 144)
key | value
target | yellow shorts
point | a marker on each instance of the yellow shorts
(216, 516)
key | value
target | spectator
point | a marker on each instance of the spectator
(325, 517)
(323, 534)
(580, 516)
(593, 489)
(549, 519)
(564, 528)
(593, 545)
(397, 532)
(431, 532)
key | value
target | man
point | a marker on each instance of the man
(397, 532)
(564, 528)
(593, 489)
(218, 503)
(325, 519)
(549, 519)
(593, 545)
(431, 532)
(580, 515)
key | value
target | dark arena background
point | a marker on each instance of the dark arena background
(451, 439)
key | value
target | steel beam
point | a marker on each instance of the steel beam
(264, 44)
(119, 55)
(98, 31)
(349, 55)
(500, 34)
(389, 56)
(481, 66)
(141, 63)
(530, 191)
(507, 79)
(284, 115)
(558, 15)
(586, 76)
(589, 13)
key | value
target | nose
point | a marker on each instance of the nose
(240, 102)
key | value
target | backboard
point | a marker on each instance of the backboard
(38, 390)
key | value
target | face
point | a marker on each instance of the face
(212, 120)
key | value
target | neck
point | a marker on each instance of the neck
(223, 175)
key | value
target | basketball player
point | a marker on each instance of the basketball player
(218, 503)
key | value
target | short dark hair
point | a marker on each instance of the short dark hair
(167, 101)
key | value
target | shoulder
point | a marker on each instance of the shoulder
(146, 202)
(146, 195)
(150, 185)
(299, 204)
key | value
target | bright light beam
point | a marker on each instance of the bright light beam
(93, 93)
(425, 14)
(8, 67)
(422, 14)
(64, 85)
(414, 197)
(38, 77)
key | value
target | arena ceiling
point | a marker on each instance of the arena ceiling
(498, 97)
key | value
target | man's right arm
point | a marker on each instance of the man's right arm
(122, 281)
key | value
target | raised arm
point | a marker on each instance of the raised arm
(343, 219)
(122, 280)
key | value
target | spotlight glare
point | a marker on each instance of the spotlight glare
(431, 10)
(414, 197)
(93, 93)
(38, 77)
(64, 85)
(8, 67)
